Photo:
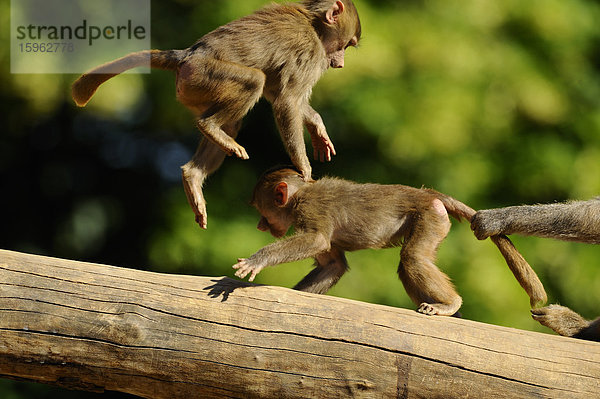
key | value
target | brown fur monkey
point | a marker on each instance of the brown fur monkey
(571, 221)
(332, 216)
(278, 52)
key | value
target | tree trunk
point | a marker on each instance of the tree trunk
(94, 327)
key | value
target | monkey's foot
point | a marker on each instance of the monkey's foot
(560, 319)
(441, 309)
(193, 193)
(230, 147)
(237, 150)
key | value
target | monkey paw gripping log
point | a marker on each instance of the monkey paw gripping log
(332, 216)
(278, 52)
(245, 267)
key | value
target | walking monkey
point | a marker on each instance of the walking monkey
(331, 216)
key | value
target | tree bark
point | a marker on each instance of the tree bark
(95, 327)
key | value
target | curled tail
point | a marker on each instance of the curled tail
(84, 88)
(522, 271)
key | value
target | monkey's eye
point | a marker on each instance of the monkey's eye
(352, 43)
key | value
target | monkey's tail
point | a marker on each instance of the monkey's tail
(84, 88)
(522, 271)
(454, 207)
(524, 274)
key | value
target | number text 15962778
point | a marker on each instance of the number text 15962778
(47, 47)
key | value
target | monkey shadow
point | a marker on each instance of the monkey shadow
(225, 286)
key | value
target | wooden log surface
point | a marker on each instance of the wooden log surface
(95, 327)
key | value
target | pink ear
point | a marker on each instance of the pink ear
(281, 194)
(333, 14)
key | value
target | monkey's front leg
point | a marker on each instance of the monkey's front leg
(322, 146)
(330, 266)
(246, 266)
(297, 247)
(287, 108)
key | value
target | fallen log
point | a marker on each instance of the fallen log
(95, 327)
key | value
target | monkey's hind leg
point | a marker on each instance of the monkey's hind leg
(425, 284)
(206, 160)
(220, 93)
(330, 266)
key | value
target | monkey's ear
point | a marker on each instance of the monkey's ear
(333, 14)
(281, 193)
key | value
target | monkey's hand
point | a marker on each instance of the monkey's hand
(245, 267)
(306, 171)
(560, 319)
(489, 222)
(322, 145)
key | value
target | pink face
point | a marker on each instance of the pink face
(336, 56)
(273, 224)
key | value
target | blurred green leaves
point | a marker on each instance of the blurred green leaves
(494, 103)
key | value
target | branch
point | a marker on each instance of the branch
(94, 327)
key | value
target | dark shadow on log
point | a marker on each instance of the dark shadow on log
(225, 286)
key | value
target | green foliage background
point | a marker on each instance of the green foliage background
(495, 103)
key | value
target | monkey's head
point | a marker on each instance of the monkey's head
(272, 198)
(338, 25)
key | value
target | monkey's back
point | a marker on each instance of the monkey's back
(359, 216)
(270, 39)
